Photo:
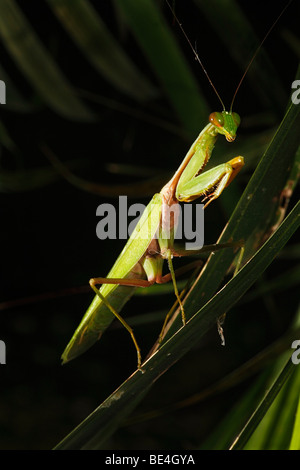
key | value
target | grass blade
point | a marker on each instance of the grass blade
(295, 441)
(37, 65)
(261, 411)
(168, 63)
(99, 46)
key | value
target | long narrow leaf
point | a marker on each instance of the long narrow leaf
(37, 65)
(101, 49)
(243, 437)
(169, 64)
(295, 441)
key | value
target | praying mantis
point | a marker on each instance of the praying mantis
(140, 263)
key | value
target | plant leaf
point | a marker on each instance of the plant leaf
(37, 65)
(167, 61)
(99, 46)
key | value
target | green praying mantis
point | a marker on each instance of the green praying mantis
(140, 263)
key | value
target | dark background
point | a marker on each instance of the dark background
(49, 243)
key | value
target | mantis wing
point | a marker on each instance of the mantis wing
(98, 316)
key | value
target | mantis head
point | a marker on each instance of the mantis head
(226, 123)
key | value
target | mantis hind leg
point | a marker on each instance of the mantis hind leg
(126, 282)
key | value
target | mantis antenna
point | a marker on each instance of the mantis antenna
(196, 54)
(249, 64)
(256, 52)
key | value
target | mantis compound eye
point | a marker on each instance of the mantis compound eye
(236, 119)
(217, 119)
